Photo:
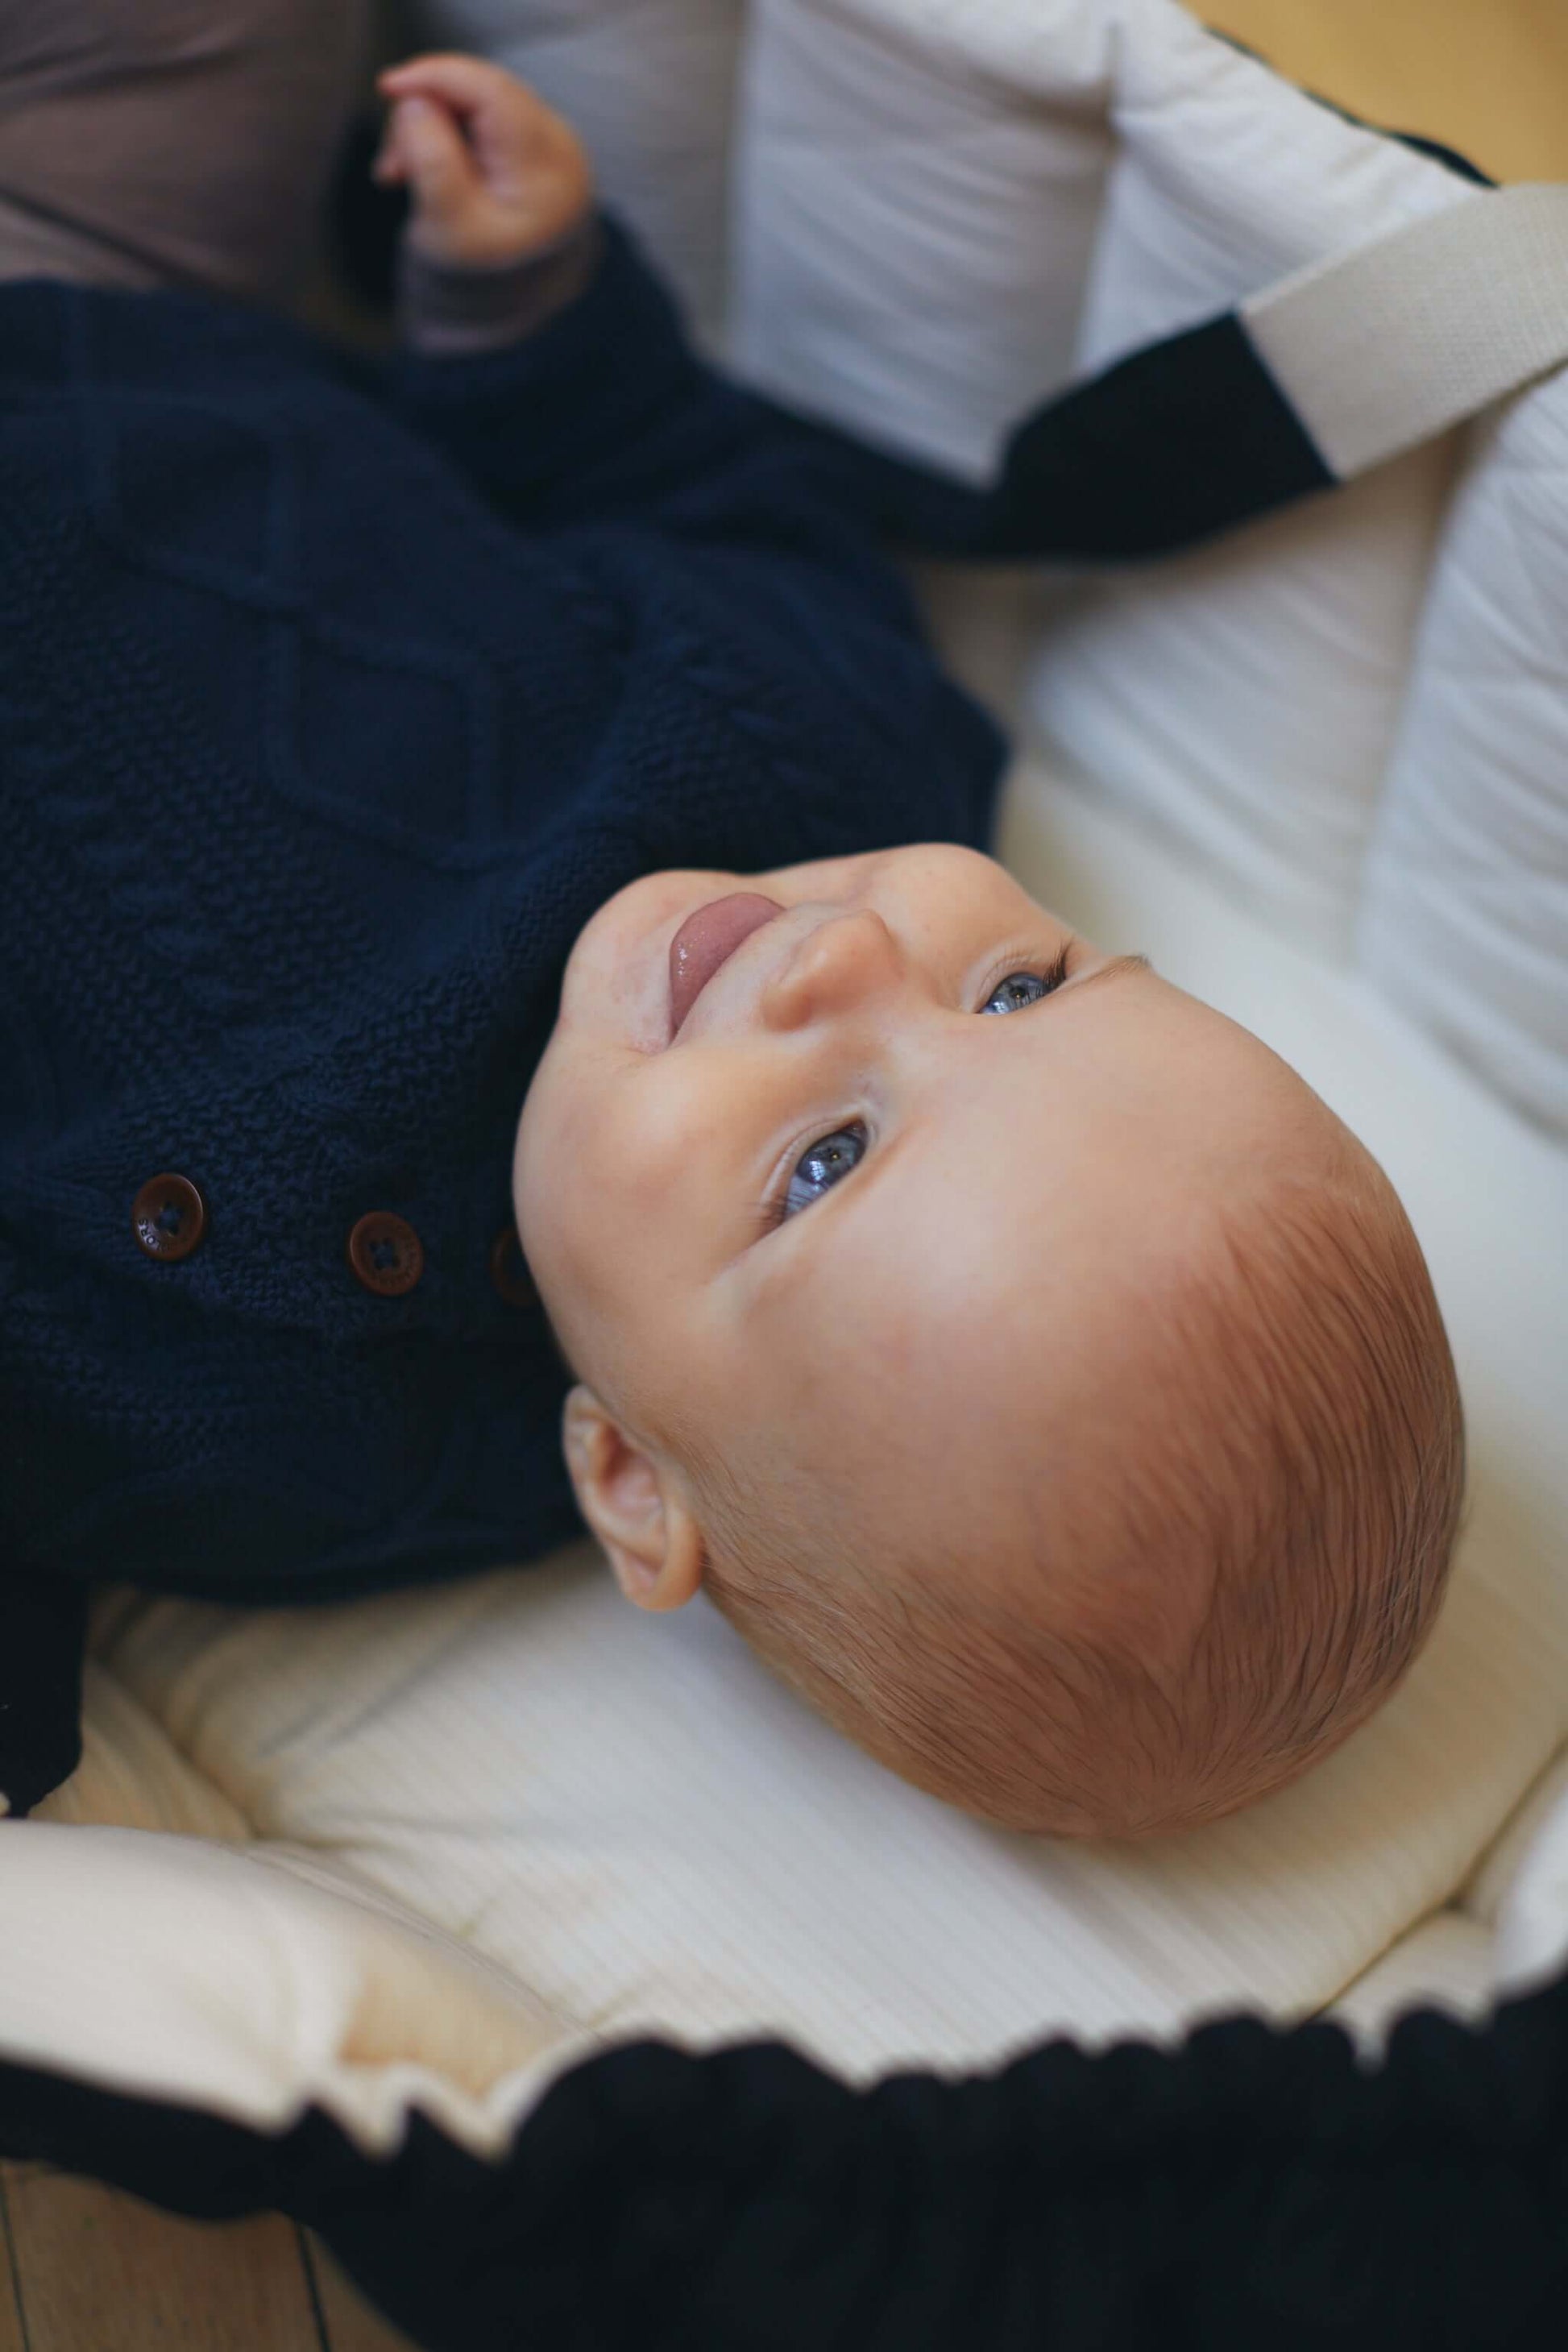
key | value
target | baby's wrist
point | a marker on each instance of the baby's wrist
(447, 310)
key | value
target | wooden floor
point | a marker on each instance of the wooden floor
(83, 2269)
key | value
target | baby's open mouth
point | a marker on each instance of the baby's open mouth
(709, 938)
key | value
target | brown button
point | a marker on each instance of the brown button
(509, 1269)
(168, 1217)
(387, 1253)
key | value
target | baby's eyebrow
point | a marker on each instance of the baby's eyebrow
(1115, 969)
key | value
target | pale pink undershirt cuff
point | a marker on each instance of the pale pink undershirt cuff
(459, 313)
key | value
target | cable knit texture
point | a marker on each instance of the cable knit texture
(334, 698)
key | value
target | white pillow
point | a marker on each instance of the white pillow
(913, 235)
(1466, 915)
(1246, 698)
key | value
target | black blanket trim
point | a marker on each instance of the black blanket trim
(1257, 2187)
(40, 1710)
(1182, 439)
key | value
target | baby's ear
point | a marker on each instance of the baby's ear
(633, 1498)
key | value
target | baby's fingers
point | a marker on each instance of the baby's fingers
(426, 148)
(497, 176)
(389, 167)
(468, 86)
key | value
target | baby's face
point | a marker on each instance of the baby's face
(908, 1145)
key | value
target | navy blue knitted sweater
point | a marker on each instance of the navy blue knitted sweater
(334, 698)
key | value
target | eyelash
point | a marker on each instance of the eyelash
(772, 1211)
(1053, 974)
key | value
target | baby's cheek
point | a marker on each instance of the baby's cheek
(626, 1162)
(636, 1175)
(663, 1137)
(555, 1140)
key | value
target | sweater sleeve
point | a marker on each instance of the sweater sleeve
(43, 1628)
(605, 416)
(604, 413)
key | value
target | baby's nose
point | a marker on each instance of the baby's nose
(845, 959)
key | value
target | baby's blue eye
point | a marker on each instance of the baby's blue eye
(819, 1168)
(1020, 988)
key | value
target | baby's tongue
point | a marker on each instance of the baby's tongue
(708, 939)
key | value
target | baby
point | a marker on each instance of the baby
(1027, 1361)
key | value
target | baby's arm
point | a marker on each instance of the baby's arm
(42, 1627)
(550, 363)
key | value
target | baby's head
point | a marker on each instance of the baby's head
(1058, 1400)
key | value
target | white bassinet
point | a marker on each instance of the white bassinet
(432, 1852)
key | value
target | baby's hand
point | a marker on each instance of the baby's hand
(496, 176)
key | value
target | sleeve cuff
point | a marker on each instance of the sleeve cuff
(462, 313)
(534, 415)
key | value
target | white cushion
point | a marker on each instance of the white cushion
(1466, 914)
(189, 1971)
(890, 270)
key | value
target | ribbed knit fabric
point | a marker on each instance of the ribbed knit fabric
(334, 698)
